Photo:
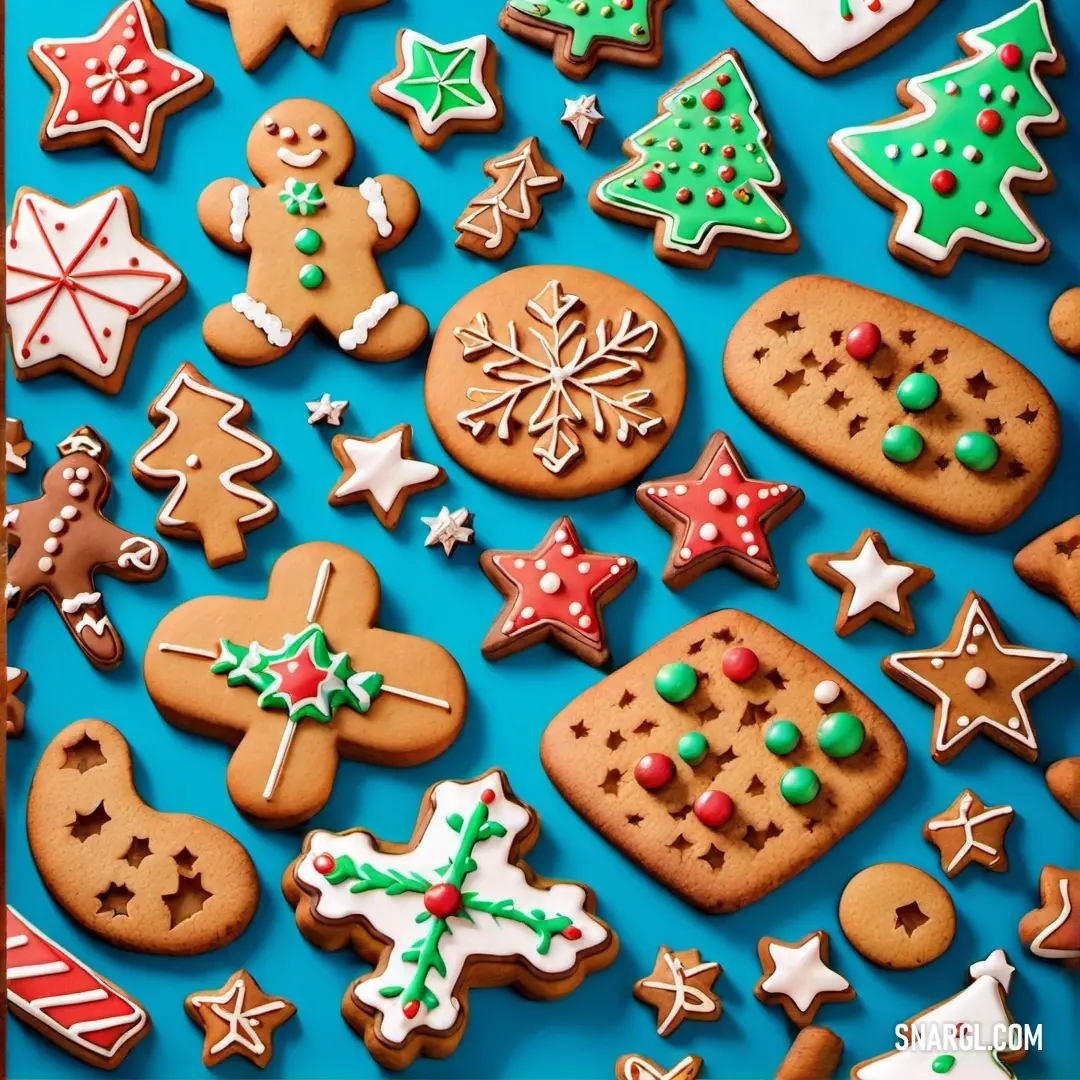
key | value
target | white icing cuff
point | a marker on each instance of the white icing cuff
(371, 190)
(269, 324)
(366, 321)
(239, 205)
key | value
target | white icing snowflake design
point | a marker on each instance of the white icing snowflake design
(557, 363)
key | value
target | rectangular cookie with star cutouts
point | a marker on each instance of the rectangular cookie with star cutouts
(897, 399)
(724, 760)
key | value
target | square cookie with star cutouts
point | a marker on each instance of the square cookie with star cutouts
(724, 760)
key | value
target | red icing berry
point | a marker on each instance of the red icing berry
(654, 771)
(739, 663)
(443, 900)
(728, 151)
(571, 933)
(106, 332)
(714, 197)
(104, 241)
(133, 261)
(712, 100)
(652, 180)
(863, 340)
(324, 863)
(45, 339)
(25, 353)
(989, 121)
(683, 195)
(723, 80)
(59, 226)
(727, 174)
(714, 808)
(943, 181)
(487, 796)
(1010, 55)
(410, 1009)
(626, 5)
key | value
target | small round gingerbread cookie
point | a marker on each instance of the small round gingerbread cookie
(1065, 321)
(897, 916)
(555, 382)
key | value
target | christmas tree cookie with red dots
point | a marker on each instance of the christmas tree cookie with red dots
(718, 516)
(117, 85)
(897, 399)
(724, 760)
(451, 910)
(955, 165)
(581, 33)
(557, 591)
(701, 174)
(300, 679)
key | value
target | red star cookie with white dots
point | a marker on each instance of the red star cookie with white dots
(718, 516)
(556, 590)
(117, 85)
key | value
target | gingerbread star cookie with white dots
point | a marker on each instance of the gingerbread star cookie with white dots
(978, 681)
(557, 591)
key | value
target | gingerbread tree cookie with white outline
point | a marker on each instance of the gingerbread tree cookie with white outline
(204, 452)
(453, 909)
(279, 679)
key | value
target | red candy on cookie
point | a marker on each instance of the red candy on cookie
(863, 340)
(739, 663)
(654, 771)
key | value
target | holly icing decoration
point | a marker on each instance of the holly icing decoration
(951, 163)
(458, 892)
(301, 198)
(702, 169)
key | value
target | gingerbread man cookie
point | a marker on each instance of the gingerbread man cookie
(264, 676)
(63, 539)
(312, 242)
(452, 909)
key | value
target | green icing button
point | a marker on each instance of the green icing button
(781, 737)
(918, 391)
(840, 734)
(902, 443)
(311, 276)
(799, 785)
(307, 241)
(675, 682)
(693, 746)
(943, 1063)
(977, 451)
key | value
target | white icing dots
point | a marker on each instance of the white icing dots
(826, 692)
(742, 502)
(918, 150)
(315, 131)
(51, 545)
(622, 560)
(540, 564)
(528, 613)
(978, 630)
(192, 461)
(975, 678)
(971, 649)
(72, 116)
(129, 34)
(567, 551)
(583, 567)
(584, 622)
(941, 146)
(76, 490)
(963, 721)
(718, 496)
(1014, 723)
(685, 553)
(951, 88)
(752, 550)
(69, 512)
(82, 474)
(937, 663)
(575, 609)
(45, 564)
(680, 489)
(1009, 95)
(175, 75)
(725, 469)
(972, 153)
(134, 127)
(550, 583)
(763, 493)
(56, 525)
(662, 492)
(708, 532)
(986, 92)
(560, 536)
(519, 563)
(60, 53)
(741, 521)
(892, 151)
(68, 474)
(981, 208)
(748, 537)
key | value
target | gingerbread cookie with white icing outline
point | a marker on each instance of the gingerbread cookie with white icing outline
(826, 37)
(116, 85)
(453, 909)
(1052, 931)
(277, 679)
(81, 283)
(312, 243)
(968, 831)
(797, 977)
(213, 500)
(680, 987)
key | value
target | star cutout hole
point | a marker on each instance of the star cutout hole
(138, 849)
(188, 900)
(86, 825)
(909, 918)
(84, 755)
(114, 900)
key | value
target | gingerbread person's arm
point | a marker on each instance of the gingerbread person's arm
(223, 210)
(393, 207)
(127, 555)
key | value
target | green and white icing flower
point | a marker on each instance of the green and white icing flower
(455, 895)
(301, 198)
(953, 165)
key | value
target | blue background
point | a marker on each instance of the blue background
(843, 233)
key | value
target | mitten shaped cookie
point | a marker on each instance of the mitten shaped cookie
(62, 539)
(312, 243)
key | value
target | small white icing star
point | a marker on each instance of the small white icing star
(325, 409)
(448, 528)
(582, 115)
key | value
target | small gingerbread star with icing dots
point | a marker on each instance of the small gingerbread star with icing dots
(978, 680)
(556, 590)
(718, 516)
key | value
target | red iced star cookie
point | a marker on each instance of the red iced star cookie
(718, 516)
(555, 590)
(117, 85)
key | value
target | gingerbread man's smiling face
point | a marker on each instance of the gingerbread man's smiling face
(300, 138)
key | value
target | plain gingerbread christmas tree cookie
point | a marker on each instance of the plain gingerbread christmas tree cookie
(453, 909)
(701, 175)
(955, 166)
(312, 243)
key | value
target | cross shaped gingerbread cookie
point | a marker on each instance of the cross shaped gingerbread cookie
(63, 539)
(280, 679)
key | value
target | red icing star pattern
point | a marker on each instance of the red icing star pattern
(717, 515)
(556, 589)
(117, 82)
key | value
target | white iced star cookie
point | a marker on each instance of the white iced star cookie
(798, 977)
(326, 410)
(448, 528)
(873, 584)
(381, 472)
(582, 115)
